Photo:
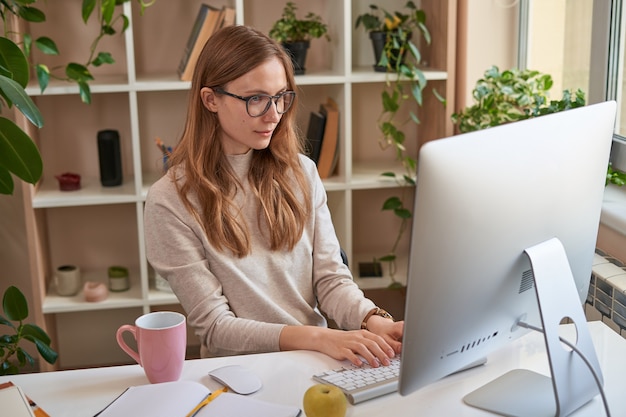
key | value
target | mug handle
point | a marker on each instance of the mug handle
(120, 341)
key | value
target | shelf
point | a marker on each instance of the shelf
(103, 84)
(77, 303)
(378, 282)
(171, 82)
(367, 176)
(142, 97)
(90, 193)
(368, 75)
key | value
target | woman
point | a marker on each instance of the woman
(239, 226)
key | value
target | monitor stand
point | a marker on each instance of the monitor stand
(526, 393)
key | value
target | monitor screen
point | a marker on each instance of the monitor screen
(482, 199)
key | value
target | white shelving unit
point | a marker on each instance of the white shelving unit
(141, 97)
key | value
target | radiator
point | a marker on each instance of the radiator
(606, 299)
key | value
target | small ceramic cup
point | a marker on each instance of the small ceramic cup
(67, 280)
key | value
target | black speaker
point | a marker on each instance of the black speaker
(110, 158)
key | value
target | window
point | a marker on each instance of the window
(558, 41)
(581, 44)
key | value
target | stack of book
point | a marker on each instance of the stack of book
(208, 20)
(323, 138)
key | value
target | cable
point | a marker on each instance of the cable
(583, 357)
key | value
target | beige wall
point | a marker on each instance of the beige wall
(13, 252)
(487, 36)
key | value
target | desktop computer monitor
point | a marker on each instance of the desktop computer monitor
(504, 216)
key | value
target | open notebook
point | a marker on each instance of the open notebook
(178, 399)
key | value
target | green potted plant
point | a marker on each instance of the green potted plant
(18, 153)
(15, 309)
(395, 36)
(391, 34)
(507, 96)
(295, 34)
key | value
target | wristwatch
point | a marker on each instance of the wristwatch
(375, 312)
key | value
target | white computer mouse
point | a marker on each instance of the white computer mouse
(238, 378)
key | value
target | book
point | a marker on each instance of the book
(329, 152)
(193, 36)
(229, 16)
(36, 410)
(180, 398)
(209, 19)
(315, 135)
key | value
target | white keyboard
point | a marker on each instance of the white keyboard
(364, 382)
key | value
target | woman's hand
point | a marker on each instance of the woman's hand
(352, 345)
(388, 329)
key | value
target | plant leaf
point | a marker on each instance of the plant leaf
(24, 357)
(85, 92)
(402, 213)
(14, 304)
(32, 331)
(12, 58)
(9, 369)
(46, 351)
(18, 153)
(107, 8)
(16, 93)
(87, 8)
(77, 72)
(103, 58)
(6, 181)
(392, 203)
(43, 76)
(47, 46)
(6, 322)
(31, 14)
(395, 286)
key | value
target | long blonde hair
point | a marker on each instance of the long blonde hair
(275, 175)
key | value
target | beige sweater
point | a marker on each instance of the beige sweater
(241, 305)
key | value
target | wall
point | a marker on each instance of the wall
(487, 36)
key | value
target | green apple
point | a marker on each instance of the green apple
(323, 400)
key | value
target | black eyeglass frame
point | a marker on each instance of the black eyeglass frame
(273, 99)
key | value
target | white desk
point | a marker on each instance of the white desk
(287, 375)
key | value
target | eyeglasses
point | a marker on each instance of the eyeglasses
(258, 104)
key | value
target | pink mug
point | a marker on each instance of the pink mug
(161, 343)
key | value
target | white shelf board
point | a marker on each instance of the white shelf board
(368, 75)
(369, 176)
(54, 303)
(375, 282)
(320, 78)
(91, 192)
(102, 84)
(159, 82)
